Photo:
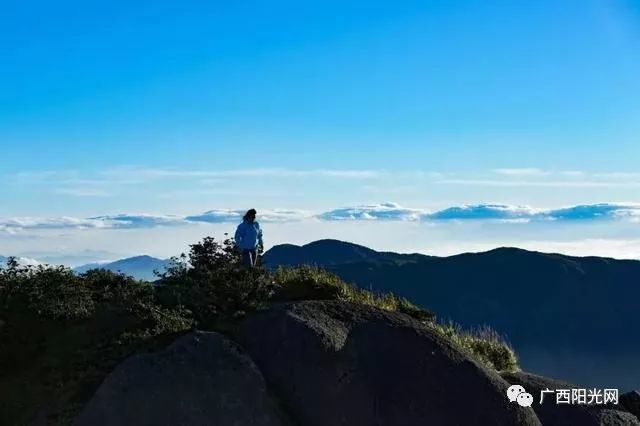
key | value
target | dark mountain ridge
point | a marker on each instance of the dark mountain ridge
(331, 252)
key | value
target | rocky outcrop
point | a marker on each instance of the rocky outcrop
(329, 363)
(334, 363)
(201, 379)
(607, 417)
(631, 402)
(552, 414)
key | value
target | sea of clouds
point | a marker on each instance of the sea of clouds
(373, 212)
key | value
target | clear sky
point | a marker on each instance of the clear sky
(167, 108)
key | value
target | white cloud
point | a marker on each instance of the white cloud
(70, 178)
(131, 179)
(484, 212)
(160, 173)
(629, 212)
(138, 220)
(83, 192)
(226, 216)
(74, 182)
(618, 175)
(595, 211)
(528, 171)
(572, 173)
(384, 211)
(536, 177)
(217, 216)
(63, 222)
(42, 176)
(521, 214)
(542, 183)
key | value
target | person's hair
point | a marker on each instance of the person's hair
(250, 212)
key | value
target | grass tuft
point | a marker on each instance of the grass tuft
(483, 343)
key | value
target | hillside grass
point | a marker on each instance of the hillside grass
(62, 333)
(312, 283)
(483, 343)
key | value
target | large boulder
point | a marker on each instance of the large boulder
(201, 379)
(552, 414)
(336, 363)
(607, 417)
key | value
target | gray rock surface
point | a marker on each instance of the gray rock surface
(608, 417)
(552, 414)
(631, 402)
(334, 363)
(201, 379)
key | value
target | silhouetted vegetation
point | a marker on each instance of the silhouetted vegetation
(61, 333)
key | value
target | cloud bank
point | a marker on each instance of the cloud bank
(483, 212)
(384, 211)
(226, 216)
(486, 212)
(371, 212)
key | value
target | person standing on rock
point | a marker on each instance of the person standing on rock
(249, 238)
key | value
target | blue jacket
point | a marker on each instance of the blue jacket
(249, 235)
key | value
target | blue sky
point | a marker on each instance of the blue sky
(177, 108)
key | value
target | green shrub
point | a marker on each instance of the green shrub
(111, 287)
(213, 284)
(51, 292)
(62, 333)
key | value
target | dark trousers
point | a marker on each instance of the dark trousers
(249, 258)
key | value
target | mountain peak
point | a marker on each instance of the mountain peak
(140, 257)
(140, 267)
(326, 252)
(334, 243)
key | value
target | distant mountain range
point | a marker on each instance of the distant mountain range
(140, 267)
(568, 317)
